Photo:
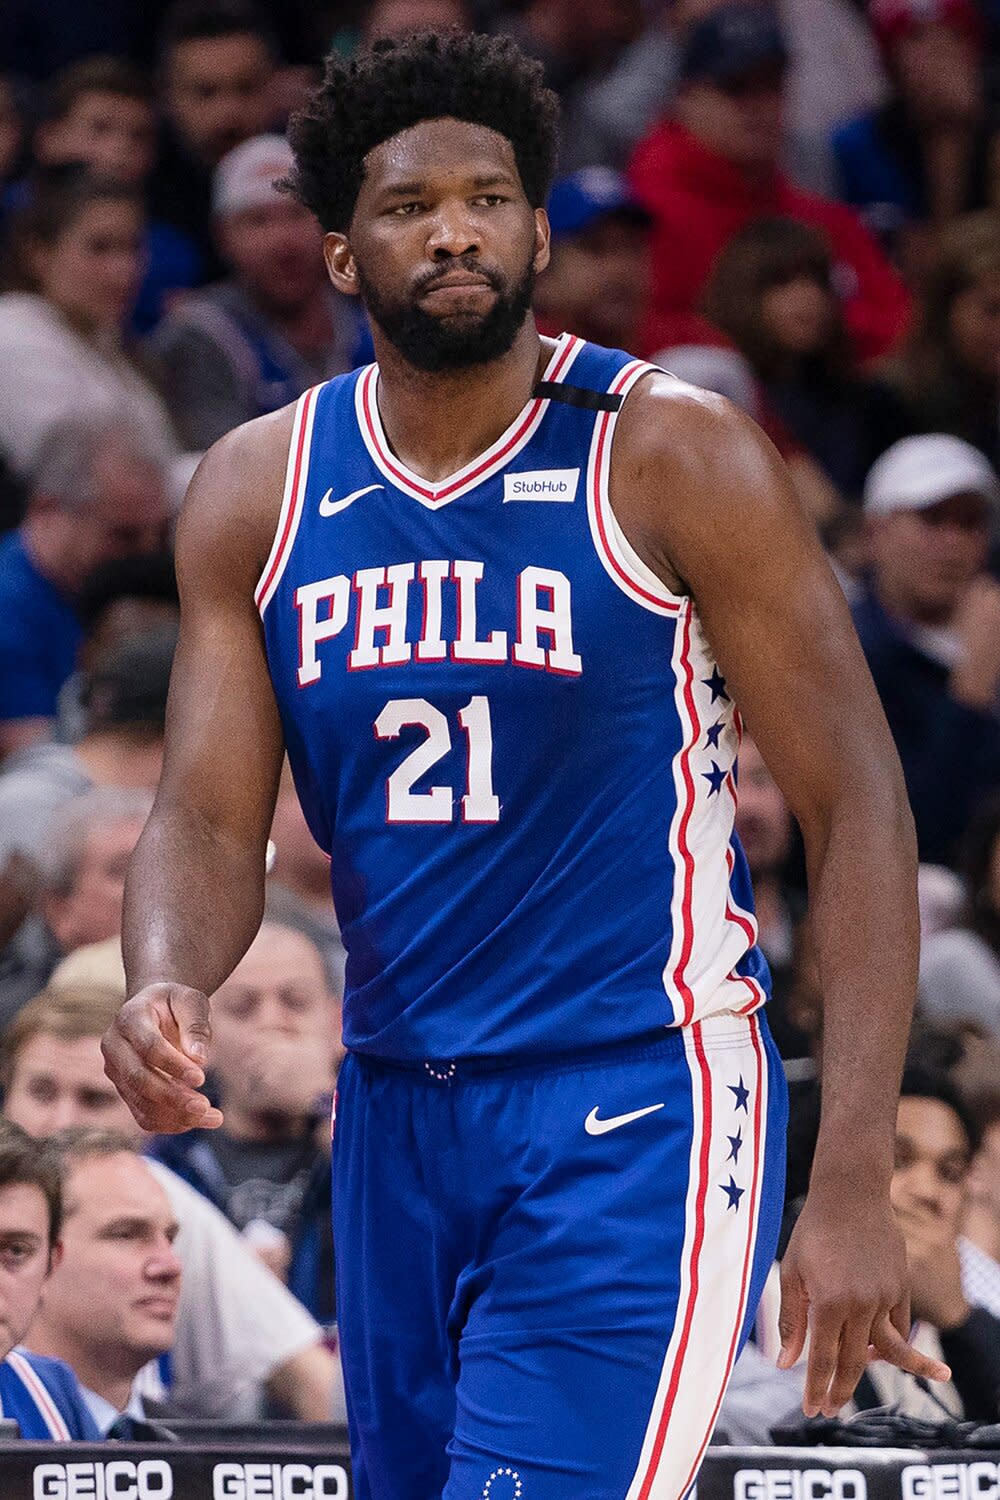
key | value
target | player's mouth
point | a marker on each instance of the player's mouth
(456, 296)
(457, 291)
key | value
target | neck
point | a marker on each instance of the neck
(97, 1368)
(436, 423)
(265, 1126)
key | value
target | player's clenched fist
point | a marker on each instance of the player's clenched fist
(154, 1054)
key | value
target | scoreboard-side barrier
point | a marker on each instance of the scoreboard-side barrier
(291, 1470)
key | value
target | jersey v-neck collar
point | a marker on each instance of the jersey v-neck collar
(478, 469)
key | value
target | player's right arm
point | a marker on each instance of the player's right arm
(195, 889)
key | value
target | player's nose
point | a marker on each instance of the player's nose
(452, 232)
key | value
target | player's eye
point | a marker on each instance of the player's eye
(490, 200)
(405, 209)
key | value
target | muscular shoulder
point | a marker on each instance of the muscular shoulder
(691, 470)
(231, 508)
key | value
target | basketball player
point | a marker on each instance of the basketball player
(499, 596)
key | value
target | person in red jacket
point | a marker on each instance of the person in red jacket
(713, 165)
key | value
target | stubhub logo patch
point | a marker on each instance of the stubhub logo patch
(541, 484)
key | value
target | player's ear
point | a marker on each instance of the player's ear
(543, 236)
(340, 263)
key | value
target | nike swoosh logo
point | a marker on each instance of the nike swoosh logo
(328, 507)
(593, 1126)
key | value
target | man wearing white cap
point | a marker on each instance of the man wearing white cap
(929, 623)
(256, 340)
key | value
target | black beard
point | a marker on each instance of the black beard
(430, 344)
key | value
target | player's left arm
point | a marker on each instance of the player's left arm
(705, 499)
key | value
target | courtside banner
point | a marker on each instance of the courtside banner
(849, 1474)
(169, 1471)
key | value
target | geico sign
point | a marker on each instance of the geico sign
(279, 1482)
(970, 1481)
(799, 1484)
(121, 1479)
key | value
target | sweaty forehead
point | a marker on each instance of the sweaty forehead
(436, 151)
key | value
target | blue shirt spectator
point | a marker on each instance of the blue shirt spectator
(39, 635)
(929, 624)
(275, 1025)
(97, 496)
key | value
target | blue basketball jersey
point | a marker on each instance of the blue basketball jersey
(510, 737)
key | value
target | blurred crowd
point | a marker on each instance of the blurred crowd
(794, 204)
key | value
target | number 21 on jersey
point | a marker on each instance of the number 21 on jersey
(480, 804)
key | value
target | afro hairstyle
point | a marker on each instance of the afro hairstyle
(485, 80)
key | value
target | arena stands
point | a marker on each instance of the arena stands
(800, 201)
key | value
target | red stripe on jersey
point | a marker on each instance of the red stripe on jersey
(295, 498)
(687, 941)
(604, 422)
(747, 1255)
(699, 1238)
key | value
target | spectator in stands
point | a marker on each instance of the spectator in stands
(575, 40)
(77, 252)
(929, 622)
(98, 496)
(80, 900)
(982, 1215)
(597, 280)
(275, 1031)
(240, 1334)
(217, 68)
(125, 699)
(609, 114)
(111, 1303)
(50, 1063)
(955, 1285)
(948, 372)
(712, 167)
(41, 1395)
(256, 340)
(927, 153)
(117, 602)
(771, 291)
(960, 967)
(100, 112)
(935, 1144)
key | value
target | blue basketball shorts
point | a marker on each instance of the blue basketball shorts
(545, 1273)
